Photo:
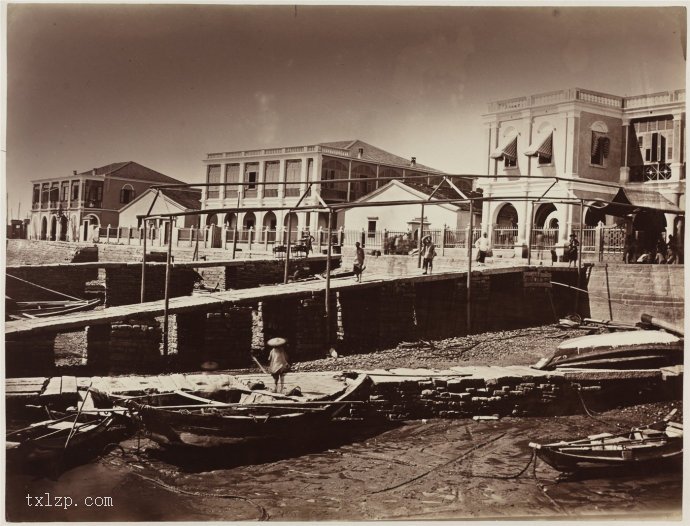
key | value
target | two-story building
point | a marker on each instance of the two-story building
(300, 165)
(68, 208)
(634, 145)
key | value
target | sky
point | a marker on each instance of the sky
(163, 85)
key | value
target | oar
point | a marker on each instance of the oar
(38, 424)
(295, 405)
(259, 364)
(71, 433)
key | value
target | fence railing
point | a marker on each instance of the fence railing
(601, 239)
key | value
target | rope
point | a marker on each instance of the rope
(592, 414)
(451, 461)
(44, 288)
(264, 514)
(544, 489)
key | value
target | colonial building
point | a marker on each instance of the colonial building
(68, 208)
(352, 159)
(636, 145)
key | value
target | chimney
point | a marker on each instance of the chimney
(74, 172)
(413, 162)
(360, 153)
(93, 171)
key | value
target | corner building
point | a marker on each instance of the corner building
(635, 144)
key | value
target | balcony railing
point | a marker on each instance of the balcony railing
(650, 172)
(664, 97)
(553, 97)
(342, 152)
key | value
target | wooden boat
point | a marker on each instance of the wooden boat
(637, 447)
(51, 438)
(617, 350)
(40, 309)
(209, 423)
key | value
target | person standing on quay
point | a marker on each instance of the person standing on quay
(358, 266)
(428, 254)
(572, 250)
(482, 245)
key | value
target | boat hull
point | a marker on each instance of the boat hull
(220, 426)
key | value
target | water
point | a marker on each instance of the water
(436, 469)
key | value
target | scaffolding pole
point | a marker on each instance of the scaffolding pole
(166, 316)
(327, 307)
(469, 270)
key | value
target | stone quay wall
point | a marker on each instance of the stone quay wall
(363, 317)
(658, 290)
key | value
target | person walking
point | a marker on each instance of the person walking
(358, 266)
(428, 254)
(482, 245)
(540, 245)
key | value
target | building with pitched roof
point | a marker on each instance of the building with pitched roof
(625, 150)
(170, 201)
(407, 217)
(68, 208)
(299, 165)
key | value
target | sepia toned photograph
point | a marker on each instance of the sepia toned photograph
(304, 263)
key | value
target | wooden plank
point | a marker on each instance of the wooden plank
(27, 380)
(68, 385)
(53, 388)
(19, 388)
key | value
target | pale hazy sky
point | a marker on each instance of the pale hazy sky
(163, 85)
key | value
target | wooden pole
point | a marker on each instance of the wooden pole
(579, 257)
(529, 233)
(287, 249)
(469, 270)
(237, 221)
(419, 241)
(168, 260)
(143, 266)
(328, 280)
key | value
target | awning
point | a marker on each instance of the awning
(545, 149)
(508, 151)
(600, 142)
(605, 194)
(650, 199)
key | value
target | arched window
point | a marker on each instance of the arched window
(126, 194)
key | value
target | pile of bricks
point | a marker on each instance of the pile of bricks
(135, 346)
(469, 396)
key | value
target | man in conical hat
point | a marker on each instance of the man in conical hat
(278, 364)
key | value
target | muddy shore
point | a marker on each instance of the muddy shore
(416, 470)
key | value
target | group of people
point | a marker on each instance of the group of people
(663, 252)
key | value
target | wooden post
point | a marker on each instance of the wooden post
(143, 265)
(530, 225)
(168, 259)
(328, 280)
(419, 241)
(582, 223)
(469, 270)
(443, 240)
(287, 249)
